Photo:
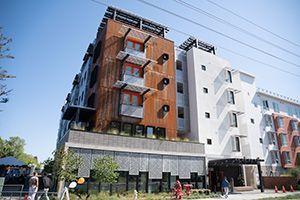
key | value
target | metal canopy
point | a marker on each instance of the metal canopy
(237, 112)
(126, 56)
(135, 88)
(133, 20)
(84, 113)
(137, 34)
(234, 90)
(193, 42)
(234, 162)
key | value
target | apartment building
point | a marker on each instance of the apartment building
(166, 113)
(123, 104)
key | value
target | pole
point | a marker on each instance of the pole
(260, 177)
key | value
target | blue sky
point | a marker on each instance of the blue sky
(51, 37)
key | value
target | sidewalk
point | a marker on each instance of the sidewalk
(256, 194)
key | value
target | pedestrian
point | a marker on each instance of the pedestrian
(33, 186)
(46, 185)
(225, 185)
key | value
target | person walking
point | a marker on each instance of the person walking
(33, 186)
(225, 185)
(46, 186)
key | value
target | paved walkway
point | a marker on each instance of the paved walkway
(256, 194)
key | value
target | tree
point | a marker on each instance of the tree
(105, 170)
(294, 172)
(4, 53)
(48, 165)
(66, 163)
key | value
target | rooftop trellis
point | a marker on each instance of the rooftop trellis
(193, 42)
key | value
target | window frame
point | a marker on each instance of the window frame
(132, 67)
(131, 96)
(134, 43)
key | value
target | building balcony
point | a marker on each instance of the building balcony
(140, 54)
(269, 128)
(133, 80)
(273, 147)
(132, 111)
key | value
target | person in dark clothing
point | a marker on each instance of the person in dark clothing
(46, 185)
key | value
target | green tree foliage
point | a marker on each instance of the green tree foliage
(66, 164)
(105, 170)
(14, 147)
(4, 53)
(48, 165)
(294, 172)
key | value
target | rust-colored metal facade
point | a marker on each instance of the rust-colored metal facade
(107, 97)
(287, 144)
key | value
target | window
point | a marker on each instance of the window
(209, 141)
(274, 157)
(94, 74)
(294, 125)
(161, 132)
(205, 90)
(181, 112)
(283, 139)
(252, 120)
(286, 156)
(289, 111)
(139, 131)
(260, 140)
(91, 101)
(268, 120)
(233, 120)
(207, 115)
(236, 144)
(228, 76)
(132, 70)
(275, 107)
(130, 98)
(203, 67)
(297, 141)
(150, 132)
(135, 45)
(126, 129)
(179, 65)
(231, 97)
(280, 122)
(265, 104)
(115, 128)
(180, 87)
(271, 138)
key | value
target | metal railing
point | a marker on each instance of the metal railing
(20, 195)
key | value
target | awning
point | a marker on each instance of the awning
(135, 59)
(135, 88)
(234, 162)
(84, 112)
(12, 161)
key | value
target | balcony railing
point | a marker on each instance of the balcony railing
(141, 54)
(132, 111)
(133, 80)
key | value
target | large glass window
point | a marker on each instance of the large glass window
(297, 141)
(126, 129)
(268, 120)
(131, 98)
(294, 125)
(180, 87)
(265, 104)
(228, 76)
(231, 97)
(287, 158)
(283, 139)
(181, 112)
(132, 70)
(289, 111)
(132, 44)
(179, 65)
(271, 137)
(275, 107)
(150, 132)
(236, 144)
(161, 132)
(139, 131)
(115, 128)
(233, 120)
(280, 122)
(274, 157)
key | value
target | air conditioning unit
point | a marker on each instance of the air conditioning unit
(166, 108)
(165, 57)
(166, 81)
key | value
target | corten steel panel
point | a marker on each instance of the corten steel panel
(110, 69)
(290, 137)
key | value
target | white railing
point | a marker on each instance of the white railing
(141, 54)
(133, 80)
(132, 111)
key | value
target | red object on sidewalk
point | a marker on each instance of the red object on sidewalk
(25, 197)
(276, 189)
(292, 189)
(283, 189)
(188, 189)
